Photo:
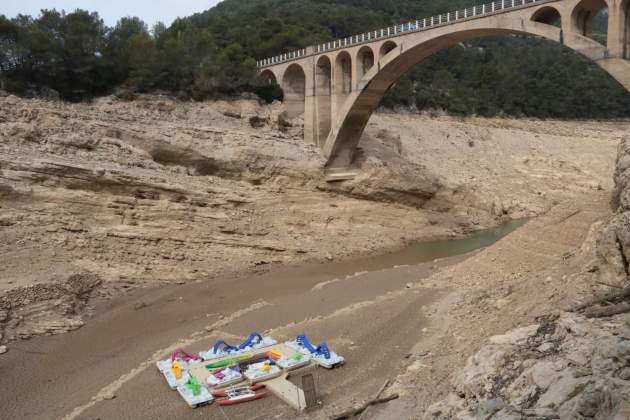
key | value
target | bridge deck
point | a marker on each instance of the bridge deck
(449, 18)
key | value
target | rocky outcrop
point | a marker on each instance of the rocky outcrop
(613, 244)
(383, 181)
(567, 367)
(50, 308)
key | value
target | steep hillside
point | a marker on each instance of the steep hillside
(213, 53)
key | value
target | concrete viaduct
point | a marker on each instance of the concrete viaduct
(337, 85)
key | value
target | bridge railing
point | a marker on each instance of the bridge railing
(475, 12)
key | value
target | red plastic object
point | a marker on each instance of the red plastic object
(223, 394)
(239, 400)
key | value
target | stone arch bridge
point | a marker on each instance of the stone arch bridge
(337, 85)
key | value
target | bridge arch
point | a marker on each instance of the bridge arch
(548, 15)
(294, 87)
(343, 73)
(624, 22)
(269, 77)
(583, 16)
(386, 48)
(323, 98)
(357, 109)
(365, 61)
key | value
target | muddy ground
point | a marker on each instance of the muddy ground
(161, 222)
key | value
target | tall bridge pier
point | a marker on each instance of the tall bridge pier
(337, 85)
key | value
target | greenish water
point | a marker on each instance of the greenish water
(450, 247)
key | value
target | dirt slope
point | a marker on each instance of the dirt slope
(157, 191)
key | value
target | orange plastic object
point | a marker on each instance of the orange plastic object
(176, 368)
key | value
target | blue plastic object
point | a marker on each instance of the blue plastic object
(322, 349)
(254, 338)
(226, 347)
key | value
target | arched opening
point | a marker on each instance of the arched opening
(323, 91)
(548, 15)
(294, 87)
(590, 19)
(365, 61)
(625, 13)
(268, 77)
(267, 88)
(386, 48)
(343, 74)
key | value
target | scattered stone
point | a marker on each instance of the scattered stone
(139, 305)
(233, 114)
(109, 396)
(258, 122)
(3, 349)
(545, 347)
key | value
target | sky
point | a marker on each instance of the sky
(150, 11)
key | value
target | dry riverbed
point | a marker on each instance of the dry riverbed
(160, 222)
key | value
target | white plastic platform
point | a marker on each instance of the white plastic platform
(204, 398)
(209, 355)
(254, 374)
(166, 364)
(231, 377)
(334, 361)
(174, 382)
(289, 363)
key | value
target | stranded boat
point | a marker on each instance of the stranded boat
(238, 395)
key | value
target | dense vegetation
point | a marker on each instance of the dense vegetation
(212, 53)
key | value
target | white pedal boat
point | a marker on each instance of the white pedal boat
(194, 401)
(230, 377)
(164, 365)
(185, 360)
(257, 373)
(289, 363)
(221, 349)
(321, 354)
(173, 382)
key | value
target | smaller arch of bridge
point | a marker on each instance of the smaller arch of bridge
(364, 60)
(583, 15)
(548, 15)
(268, 77)
(386, 48)
(294, 87)
(323, 94)
(343, 73)
(625, 25)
